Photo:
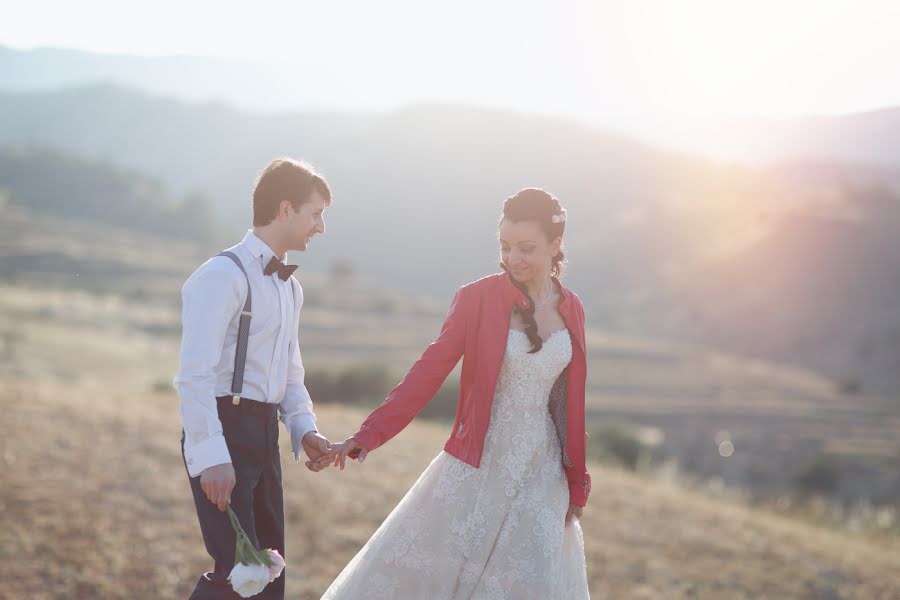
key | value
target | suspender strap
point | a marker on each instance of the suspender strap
(240, 352)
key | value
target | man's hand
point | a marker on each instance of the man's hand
(217, 482)
(573, 510)
(319, 450)
(346, 448)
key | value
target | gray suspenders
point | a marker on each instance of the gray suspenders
(240, 352)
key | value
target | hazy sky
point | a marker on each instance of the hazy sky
(624, 59)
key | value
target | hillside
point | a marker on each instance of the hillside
(660, 245)
(65, 278)
(53, 183)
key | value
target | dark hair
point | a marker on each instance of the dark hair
(285, 179)
(534, 204)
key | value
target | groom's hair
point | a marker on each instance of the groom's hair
(286, 179)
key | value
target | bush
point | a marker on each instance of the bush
(821, 473)
(362, 384)
(368, 385)
(442, 406)
(849, 386)
(614, 443)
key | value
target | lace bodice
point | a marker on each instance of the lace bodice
(527, 378)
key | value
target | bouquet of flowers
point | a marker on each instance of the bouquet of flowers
(253, 569)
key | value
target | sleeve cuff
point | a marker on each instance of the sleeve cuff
(367, 439)
(208, 453)
(579, 491)
(300, 425)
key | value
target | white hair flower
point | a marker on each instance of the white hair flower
(560, 218)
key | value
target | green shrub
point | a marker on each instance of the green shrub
(368, 385)
(614, 443)
(361, 384)
(822, 473)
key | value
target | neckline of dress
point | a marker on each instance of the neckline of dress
(543, 341)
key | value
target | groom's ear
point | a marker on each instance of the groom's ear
(284, 209)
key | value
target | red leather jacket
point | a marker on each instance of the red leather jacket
(476, 327)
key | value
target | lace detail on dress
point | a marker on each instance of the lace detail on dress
(491, 533)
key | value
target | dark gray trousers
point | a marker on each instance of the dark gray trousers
(251, 433)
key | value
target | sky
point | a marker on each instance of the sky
(630, 59)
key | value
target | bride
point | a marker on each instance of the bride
(495, 515)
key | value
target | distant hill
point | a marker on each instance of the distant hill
(819, 285)
(411, 171)
(794, 263)
(251, 84)
(48, 181)
(867, 138)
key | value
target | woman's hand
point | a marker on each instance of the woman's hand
(573, 510)
(344, 449)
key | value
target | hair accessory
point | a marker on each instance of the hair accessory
(560, 218)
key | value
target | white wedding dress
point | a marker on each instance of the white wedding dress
(495, 532)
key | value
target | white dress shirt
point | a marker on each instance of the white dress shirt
(212, 300)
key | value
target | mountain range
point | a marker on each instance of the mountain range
(796, 262)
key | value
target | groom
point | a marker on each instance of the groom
(240, 372)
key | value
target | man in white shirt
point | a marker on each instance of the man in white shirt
(241, 371)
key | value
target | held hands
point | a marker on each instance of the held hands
(319, 450)
(323, 453)
(348, 447)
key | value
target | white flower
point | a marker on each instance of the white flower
(249, 580)
(560, 218)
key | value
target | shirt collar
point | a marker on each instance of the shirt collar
(258, 248)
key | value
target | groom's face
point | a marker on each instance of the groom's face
(306, 222)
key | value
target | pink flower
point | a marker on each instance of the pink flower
(277, 564)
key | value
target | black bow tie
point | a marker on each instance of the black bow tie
(284, 271)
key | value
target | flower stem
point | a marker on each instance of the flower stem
(244, 550)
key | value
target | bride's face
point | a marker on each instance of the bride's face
(526, 252)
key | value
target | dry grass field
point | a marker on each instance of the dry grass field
(95, 501)
(95, 504)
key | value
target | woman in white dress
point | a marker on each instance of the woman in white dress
(495, 514)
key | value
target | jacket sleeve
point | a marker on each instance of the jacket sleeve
(577, 475)
(422, 381)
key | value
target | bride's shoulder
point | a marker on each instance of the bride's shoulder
(487, 280)
(570, 295)
(485, 284)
